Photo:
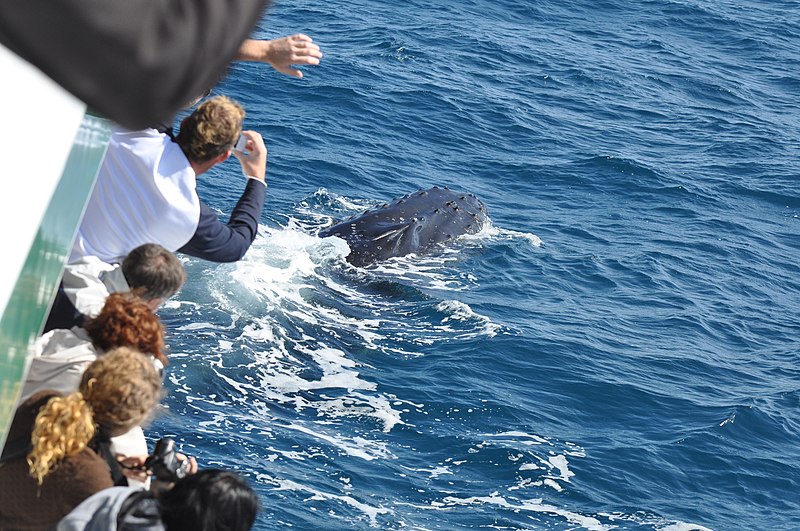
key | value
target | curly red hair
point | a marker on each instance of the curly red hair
(127, 321)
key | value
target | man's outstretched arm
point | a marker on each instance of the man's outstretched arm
(281, 54)
(135, 61)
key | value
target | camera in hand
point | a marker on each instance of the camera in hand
(164, 462)
(241, 144)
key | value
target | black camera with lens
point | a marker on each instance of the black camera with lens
(164, 462)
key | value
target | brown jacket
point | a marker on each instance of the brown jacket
(24, 505)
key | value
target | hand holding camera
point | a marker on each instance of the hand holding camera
(168, 465)
(164, 463)
(252, 154)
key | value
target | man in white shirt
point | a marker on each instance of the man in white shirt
(146, 189)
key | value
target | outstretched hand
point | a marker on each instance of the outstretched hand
(281, 54)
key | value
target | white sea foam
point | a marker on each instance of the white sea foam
(459, 311)
(534, 505)
(437, 271)
(560, 463)
(356, 447)
(196, 326)
(516, 435)
(275, 280)
(434, 472)
(317, 495)
(491, 233)
(552, 468)
(345, 203)
(681, 526)
(657, 522)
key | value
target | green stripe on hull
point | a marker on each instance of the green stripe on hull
(34, 290)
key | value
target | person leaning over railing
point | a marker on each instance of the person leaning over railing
(60, 357)
(149, 271)
(146, 189)
(137, 61)
(209, 500)
(58, 452)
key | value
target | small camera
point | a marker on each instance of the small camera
(240, 144)
(164, 462)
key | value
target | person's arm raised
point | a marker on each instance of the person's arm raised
(281, 54)
(228, 242)
(135, 61)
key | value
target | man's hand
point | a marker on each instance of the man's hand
(282, 53)
(254, 160)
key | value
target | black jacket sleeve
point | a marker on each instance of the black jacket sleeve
(135, 61)
(218, 242)
(63, 314)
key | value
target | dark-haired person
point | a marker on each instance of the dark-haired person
(209, 500)
(146, 189)
(149, 271)
(57, 452)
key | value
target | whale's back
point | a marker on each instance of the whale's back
(414, 223)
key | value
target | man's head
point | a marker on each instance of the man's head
(211, 130)
(153, 273)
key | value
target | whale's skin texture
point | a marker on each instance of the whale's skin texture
(415, 223)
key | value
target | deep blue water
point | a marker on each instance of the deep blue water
(619, 351)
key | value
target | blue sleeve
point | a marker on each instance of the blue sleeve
(219, 242)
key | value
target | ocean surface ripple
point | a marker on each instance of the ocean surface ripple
(618, 350)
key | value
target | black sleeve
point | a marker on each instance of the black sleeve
(218, 242)
(135, 61)
(63, 314)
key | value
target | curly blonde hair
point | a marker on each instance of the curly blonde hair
(117, 392)
(127, 321)
(211, 129)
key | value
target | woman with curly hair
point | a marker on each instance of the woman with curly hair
(57, 454)
(61, 356)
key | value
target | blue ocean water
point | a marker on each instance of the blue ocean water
(619, 350)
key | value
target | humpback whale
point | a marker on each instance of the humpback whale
(414, 223)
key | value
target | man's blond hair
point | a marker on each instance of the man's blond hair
(211, 129)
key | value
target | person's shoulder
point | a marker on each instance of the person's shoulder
(38, 399)
(81, 475)
(97, 512)
(140, 142)
(29, 408)
(118, 131)
(88, 266)
(86, 471)
(114, 280)
(62, 339)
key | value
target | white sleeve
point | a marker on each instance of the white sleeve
(84, 286)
